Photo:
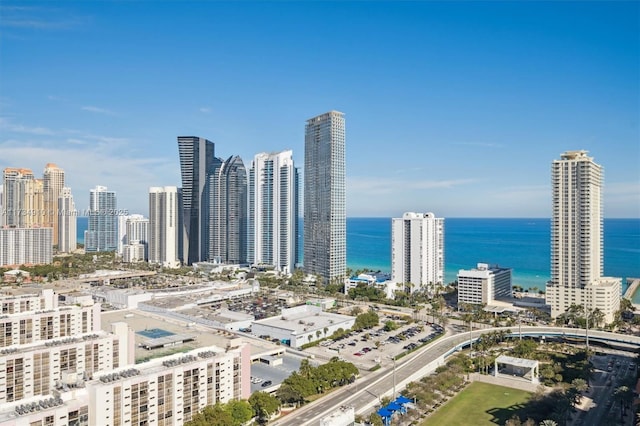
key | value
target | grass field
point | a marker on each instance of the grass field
(479, 404)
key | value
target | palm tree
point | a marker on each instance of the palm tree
(621, 395)
(626, 305)
(468, 318)
(548, 422)
(597, 317)
(580, 385)
(438, 304)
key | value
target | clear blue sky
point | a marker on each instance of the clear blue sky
(454, 108)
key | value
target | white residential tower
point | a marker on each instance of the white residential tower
(577, 239)
(417, 251)
(273, 211)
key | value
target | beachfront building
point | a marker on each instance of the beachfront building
(133, 229)
(15, 182)
(102, 231)
(26, 246)
(164, 229)
(325, 214)
(197, 162)
(301, 325)
(576, 239)
(67, 222)
(380, 281)
(133, 238)
(227, 239)
(484, 284)
(34, 212)
(417, 251)
(52, 185)
(273, 211)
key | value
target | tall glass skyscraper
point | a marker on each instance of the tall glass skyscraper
(577, 238)
(273, 211)
(325, 218)
(197, 162)
(102, 230)
(228, 212)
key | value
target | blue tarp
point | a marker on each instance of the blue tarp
(383, 412)
(402, 400)
(394, 407)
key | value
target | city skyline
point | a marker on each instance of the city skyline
(442, 100)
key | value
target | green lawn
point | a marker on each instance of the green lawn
(479, 404)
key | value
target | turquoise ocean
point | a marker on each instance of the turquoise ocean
(520, 244)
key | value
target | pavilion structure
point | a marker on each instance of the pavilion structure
(518, 367)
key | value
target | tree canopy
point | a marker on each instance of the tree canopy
(264, 405)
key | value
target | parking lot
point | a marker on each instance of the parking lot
(260, 307)
(267, 378)
(376, 346)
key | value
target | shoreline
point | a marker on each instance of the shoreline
(524, 280)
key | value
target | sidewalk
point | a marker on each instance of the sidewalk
(501, 380)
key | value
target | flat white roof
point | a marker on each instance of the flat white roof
(304, 321)
(518, 362)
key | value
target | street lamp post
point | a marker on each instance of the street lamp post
(587, 330)
(520, 325)
(394, 379)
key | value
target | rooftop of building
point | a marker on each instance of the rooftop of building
(223, 316)
(303, 319)
(60, 341)
(140, 321)
(75, 392)
(518, 362)
(19, 291)
(485, 267)
(214, 291)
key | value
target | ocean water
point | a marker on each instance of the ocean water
(82, 223)
(520, 244)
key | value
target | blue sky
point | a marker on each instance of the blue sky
(454, 108)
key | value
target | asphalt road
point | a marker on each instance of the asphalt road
(368, 389)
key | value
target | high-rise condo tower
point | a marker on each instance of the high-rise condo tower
(53, 182)
(102, 232)
(577, 238)
(163, 226)
(67, 222)
(273, 211)
(325, 219)
(197, 162)
(228, 212)
(417, 251)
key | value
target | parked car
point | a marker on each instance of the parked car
(267, 383)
